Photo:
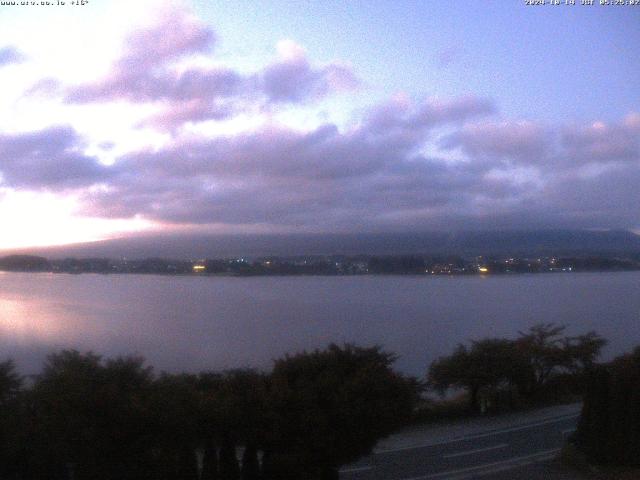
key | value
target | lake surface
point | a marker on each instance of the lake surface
(197, 323)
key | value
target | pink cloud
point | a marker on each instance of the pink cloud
(292, 78)
(142, 72)
(146, 73)
(401, 113)
(521, 141)
(600, 142)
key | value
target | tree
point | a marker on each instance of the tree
(609, 426)
(176, 406)
(232, 413)
(10, 429)
(488, 365)
(548, 353)
(64, 405)
(250, 465)
(330, 407)
(10, 381)
(583, 351)
(454, 371)
(124, 417)
(542, 347)
(528, 363)
(91, 417)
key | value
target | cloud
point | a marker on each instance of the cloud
(374, 175)
(10, 55)
(178, 113)
(440, 163)
(369, 178)
(277, 178)
(517, 141)
(45, 87)
(548, 147)
(400, 113)
(600, 142)
(632, 122)
(437, 111)
(142, 72)
(292, 78)
(322, 178)
(49, 159)
(607, 200)
(148, 71)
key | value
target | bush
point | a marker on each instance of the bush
(609, 428)
(540, 366)
(89, 418)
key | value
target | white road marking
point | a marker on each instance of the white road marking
(481, 435)
(356, 469)
(493, 466)
(568, 430)
(477, 450)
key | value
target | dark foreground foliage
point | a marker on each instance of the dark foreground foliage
(541, 365)
(85, 417)
(609, 428)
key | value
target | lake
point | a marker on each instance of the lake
(195, 323)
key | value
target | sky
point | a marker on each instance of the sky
(123, 118)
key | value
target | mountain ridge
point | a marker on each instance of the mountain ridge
(470, 243)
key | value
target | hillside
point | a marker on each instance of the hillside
(517, 243)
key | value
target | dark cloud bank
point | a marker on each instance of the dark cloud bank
(520, 243)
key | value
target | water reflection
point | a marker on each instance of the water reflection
(197, 323)
(28, 320)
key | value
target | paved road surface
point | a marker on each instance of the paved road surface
(525, 440)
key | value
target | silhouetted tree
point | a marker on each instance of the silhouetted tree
(487, 365)
(609, 427)
(548, 353)
(229, 468)
(89, 417)
(528, 363)
(10, 412)
(233, 414)
(10, 381)
(583, 351)
(175, 403)
(330, 407)
(209, 462)
(542, 347)
(250, 467)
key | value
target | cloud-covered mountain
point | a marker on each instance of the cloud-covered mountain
(173, 133)
(540, 242)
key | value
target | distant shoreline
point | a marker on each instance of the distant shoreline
(326, 266)
(317, 275)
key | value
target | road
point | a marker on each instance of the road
(480, 452)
